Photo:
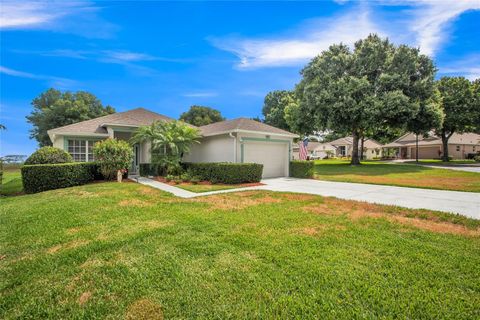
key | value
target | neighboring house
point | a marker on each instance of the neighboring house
(344, 146)
(238, 140)
(460, 146)
(316, 150)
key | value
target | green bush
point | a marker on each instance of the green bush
(225, 172)
(152, 169)
(42, 177)
(49, 155)
(477, 158)
(301, 169)
(113, 155)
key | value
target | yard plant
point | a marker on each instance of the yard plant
(109, 250)
(49, 155)
(112, 156)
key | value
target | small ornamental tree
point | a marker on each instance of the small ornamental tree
(113, 156)
(48, 155)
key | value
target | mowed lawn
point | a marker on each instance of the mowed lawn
(11, 183)
(403, 175)
(109, 250)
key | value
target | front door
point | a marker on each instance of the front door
(136, 159)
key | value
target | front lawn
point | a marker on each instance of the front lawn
(403, 175)
(11, 183)
(207, 187)
(109, 250)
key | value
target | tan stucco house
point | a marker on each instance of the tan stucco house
(239, 140)
(315, 150)
(460, 146)
(344, 147)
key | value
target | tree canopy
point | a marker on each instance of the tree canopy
(374, 85)
(274, 107)
(458, 102)
(201, 116)
(53, 108)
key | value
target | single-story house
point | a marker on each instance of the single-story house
(315, 150)
(344, 146)
(460, 146)
(239, 140)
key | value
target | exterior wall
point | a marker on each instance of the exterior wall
(59, 142)
(371, 153)
(212, 149)
(463, 152)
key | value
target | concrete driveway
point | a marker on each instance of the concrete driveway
(464, 203)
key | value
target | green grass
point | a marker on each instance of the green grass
(109, 250)
(206, 187)
(11, 183)
(404, 175)
(445, 163)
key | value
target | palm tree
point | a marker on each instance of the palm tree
(170, 140)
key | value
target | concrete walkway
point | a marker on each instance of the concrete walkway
(464, 203)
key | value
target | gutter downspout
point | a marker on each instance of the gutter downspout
(234, 147)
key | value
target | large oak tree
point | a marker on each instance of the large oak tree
(201, 116)
(377, 84)
(53, 109)
(274, 107)
(459, 106)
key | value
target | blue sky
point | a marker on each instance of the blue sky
(166, 56)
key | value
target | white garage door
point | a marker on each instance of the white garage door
(273, 156)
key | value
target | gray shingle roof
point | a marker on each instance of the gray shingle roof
(240, 124)
(135, 118)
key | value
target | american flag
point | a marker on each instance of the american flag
(303, 149)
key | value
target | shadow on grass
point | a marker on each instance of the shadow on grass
(368, 169)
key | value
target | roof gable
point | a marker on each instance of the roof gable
(241, 124)
(131, 118)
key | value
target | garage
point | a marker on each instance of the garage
(426, 152)
(273, 156)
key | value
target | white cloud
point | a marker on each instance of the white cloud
(431, 19)
(468, 67)
(307, 41)
(77, 17)
(205, 94)
(59, 82)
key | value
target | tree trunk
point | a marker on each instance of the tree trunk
(355, 159)
(445, 138)
(361, 147)
(416, 148)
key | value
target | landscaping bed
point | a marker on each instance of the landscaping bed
(206, 186)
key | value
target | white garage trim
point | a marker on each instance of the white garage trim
(246, 139)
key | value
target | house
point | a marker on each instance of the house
(460, 146)
(344, 146)
(315, 150)
(239, 140)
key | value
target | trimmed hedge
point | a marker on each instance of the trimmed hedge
(42, 177)
(49, 155)
(301, 169)
(225, 172)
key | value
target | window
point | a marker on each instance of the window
(81, 150)
(343, 151)
(473, 148)
(458, 148)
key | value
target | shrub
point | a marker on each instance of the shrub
(477, 158)
(152, 169)
(225, 172)
(49, 155)
(112, 155)
(301, 169)
(42, 177)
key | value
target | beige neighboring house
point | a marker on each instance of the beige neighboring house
(460, 146)
(315, 150)
(344, 146)
(239, 140)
